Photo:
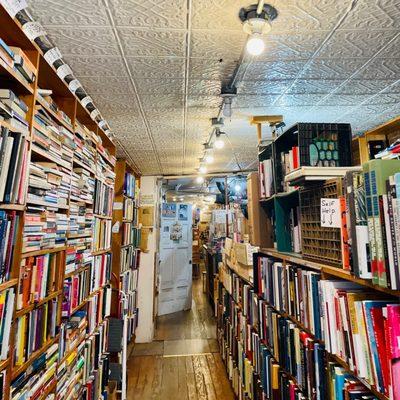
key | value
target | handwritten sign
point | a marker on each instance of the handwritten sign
(94, 114)
(86, 100)
(330, 213)
(33, 30)
(74, 85)
(102, 124)
(52, 55)
(13, 7)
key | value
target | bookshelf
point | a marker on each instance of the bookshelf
(126, 240)
(66, 155)
(338, 274)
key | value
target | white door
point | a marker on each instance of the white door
(175, 272)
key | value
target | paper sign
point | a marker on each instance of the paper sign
(95, 113)
(86, 100)
(146, 199)
(330, 213)
(118, 205)
(74, 85)
(52, 55)
(13, 7)
(33, 30)
(115, 228)
(63, 71)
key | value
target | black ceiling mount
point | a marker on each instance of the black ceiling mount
(268, 13)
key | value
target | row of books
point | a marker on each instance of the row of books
(9, 222)
(7, 298)
(76, 291)
(80, 220)
(371, 233)
(283, 321)
(289, 161)
(82, 186)
(362, 328)
(105, 166)
(130, 211)
(130, 258)
(34, 329)
(16, 59)
(291, 290)
(85, 141)
(13, 110)
(266, 176)
(131, 234)
(103, 198)
(102, 234)
(37, 278)
(100, 273)
(79, 254)
(31, 383)
(13, 161)
(129, 185)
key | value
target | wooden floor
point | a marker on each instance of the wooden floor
(183, 362)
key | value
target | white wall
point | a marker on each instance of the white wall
(145, 329)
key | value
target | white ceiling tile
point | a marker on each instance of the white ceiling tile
(264, 87)
(157, 68)
(332, 68)
(160, 86)
(150, 14)
(101, 66)
(381, 68)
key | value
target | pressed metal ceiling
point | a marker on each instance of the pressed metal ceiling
(154, 69)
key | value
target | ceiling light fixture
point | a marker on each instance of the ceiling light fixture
(257, 23)
(219, 142)
(238, 188)
(200, 180)
(203, 169)
(209, 158)
(228, 93)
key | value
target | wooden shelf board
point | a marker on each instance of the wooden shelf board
(18, 370)
(43, 252)
(37, 304)
(8, 284)
(102, 216)
(78, 235)
(99, 252)
(12, 207)
(16, 81)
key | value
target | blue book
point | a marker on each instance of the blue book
(6, 48)
(316, 305)
(340, 377)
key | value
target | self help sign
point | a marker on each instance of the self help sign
(330, 213)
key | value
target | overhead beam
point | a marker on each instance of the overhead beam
(271, 119)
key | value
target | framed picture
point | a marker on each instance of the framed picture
(183, 212)
(169, 210)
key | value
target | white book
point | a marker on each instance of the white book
(389, 243)
(5, 166)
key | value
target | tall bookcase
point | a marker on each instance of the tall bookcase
(277, 320)
(126, 240)
(70, 339)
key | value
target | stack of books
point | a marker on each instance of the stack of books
(23, 65)
(105, 167)
(131, 235)
(79, 254)
(9, 222)
(37, 279)
(266, 176)
(31, 383)
(81, 220)
(41, 323)
(72, 333)
(14, 111)
(82, 186)
(130, 211)
(393, 151)
(86, 146)
(7, 298)
(99, 307)
(6, 54)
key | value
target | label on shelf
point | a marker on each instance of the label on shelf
(64, 70)
(86, 100)
(330, 213)
(33, 30)
(13, 7)
(118, 205)
(52, 55)
(74, 85)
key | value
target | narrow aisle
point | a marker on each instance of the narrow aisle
(183, 362)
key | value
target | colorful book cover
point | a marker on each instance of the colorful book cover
(393, 322)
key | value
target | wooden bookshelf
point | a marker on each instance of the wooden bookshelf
(47, 78)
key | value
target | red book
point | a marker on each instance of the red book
(296, 161)
(379, 332)
(344, 234)
(25, 277)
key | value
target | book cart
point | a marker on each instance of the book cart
(273, 337)
(58, 339)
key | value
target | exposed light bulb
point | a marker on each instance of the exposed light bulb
(227, 110)
(219, 143)
(202, 169)
(255, 45)
(200, 179)
(209, 159)
(238, 188)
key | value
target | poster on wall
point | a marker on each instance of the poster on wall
(183, 212)
(169, 210)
